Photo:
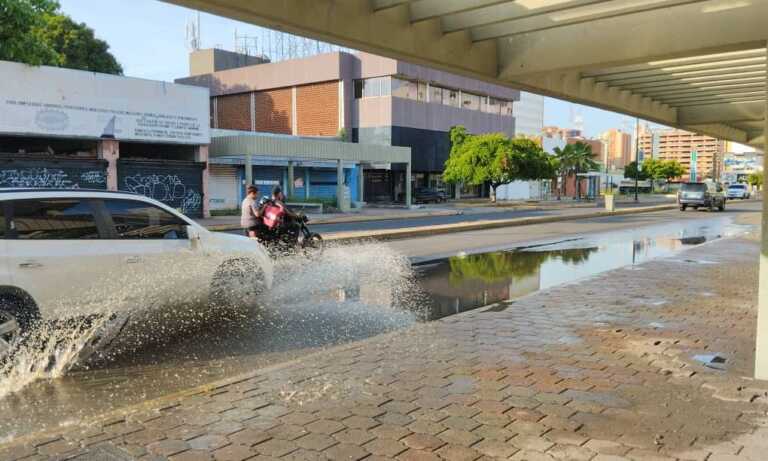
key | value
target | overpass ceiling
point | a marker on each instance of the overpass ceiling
(694, 64)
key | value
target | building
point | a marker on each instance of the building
(739, 162)
(618, 149)
(365, 99)
(674, 144)
(529, 114)
(597, 146)
(64, 128)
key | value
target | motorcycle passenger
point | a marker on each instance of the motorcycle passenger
(250, 212)
(286, 220)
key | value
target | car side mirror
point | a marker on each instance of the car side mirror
(193, 234)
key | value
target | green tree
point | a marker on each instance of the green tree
(669, 170)
(756, 179)
(20, 24)
(493, 158)
(77, 46)
(630, 172)
(574, 159)
(35, 32)
(653, 170)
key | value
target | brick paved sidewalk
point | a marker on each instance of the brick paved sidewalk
(597, 370)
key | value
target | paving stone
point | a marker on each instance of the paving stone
(384, 447)
(526, 428)
(571, 453)
(345, 451)
(360, 422)
(325, 426)
(317, 442)
(208, 442)
(249, 437)
(417, 455)
(287, 432)
(298, 418)
(606, 447)
(357, 437)
(395, 418)
(193, 455)
(426, 427)
(531, 442)
(459, 437)
(566, 437)
(460, 422)
(636, 454)
(234, 453)
(276, 447)
(423, 442)
(168, 447)
(495, 448)
(458, 453)
(389, 431)
(527, 455)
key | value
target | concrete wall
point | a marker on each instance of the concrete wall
(214, 59)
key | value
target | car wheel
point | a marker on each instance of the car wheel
(722, 206)
(683, 207)
(16, 320)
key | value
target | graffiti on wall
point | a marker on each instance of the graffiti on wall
(52, 178)
(167, 188)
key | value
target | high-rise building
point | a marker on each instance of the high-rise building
(674, 144)
(618, 145)
(529, 114)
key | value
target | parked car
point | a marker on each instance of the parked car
(737, 190)
(426, 195)
(77, 254)
(701, 194)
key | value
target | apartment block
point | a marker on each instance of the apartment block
(674, 144)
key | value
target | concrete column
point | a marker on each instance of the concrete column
(457, 191)
(249, 171)
(201, 155)
(289, 187)
(294, 113)
(360, 183)
(408, 201)
(761, 352)
(109, 150)
(339, 182)
(306, 183)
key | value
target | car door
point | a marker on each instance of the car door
(163, 267)
(55, 253)
(5, 275)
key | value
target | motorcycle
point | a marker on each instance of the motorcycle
(290, 235)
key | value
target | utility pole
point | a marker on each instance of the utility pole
(637, 154)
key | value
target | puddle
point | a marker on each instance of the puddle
(469, 281)
(714, 361)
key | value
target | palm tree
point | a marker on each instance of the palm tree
(582, 161)
(564, 157)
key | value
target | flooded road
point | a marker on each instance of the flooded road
(346, 294)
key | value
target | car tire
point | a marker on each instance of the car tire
(16, 320)
(683, 207)
(722, 206)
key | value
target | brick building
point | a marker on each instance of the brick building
(618, 148)
(365, 99)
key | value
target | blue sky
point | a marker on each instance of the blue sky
(148, 38)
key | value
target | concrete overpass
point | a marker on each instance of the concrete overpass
(699, 65)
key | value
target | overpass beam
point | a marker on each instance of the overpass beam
(761, 341)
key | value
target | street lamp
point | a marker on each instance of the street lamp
(637, 154)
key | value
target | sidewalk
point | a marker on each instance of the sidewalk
(597, 370)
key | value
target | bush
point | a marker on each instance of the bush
(227, 212)
(328, 202)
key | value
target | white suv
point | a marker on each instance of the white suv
(68, 254)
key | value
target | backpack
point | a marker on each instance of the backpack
(273, 215)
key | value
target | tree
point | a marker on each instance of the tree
(756, 179)
(78, 47)
(493, 158)
(20, 24)
(630, 172)
(36, 33)
(653, 170)
(670, 169)
(574, 159)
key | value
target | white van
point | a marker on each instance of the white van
(72, 253)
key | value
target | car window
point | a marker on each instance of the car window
(694, 187)
(737, 186)
(134, 219)
(53, 219)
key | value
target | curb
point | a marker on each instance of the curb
(351, 219)
(394, 234)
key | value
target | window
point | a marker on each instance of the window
(506, 107)
(436, 95)
(405, 89)
(451, 98)
(139, 220)
(493, 106)
(422, 95)
(372, 87)
(54, 219)
(470, 101)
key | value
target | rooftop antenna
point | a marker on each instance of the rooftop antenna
(193, 34)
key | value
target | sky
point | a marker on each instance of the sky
(148, 38)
